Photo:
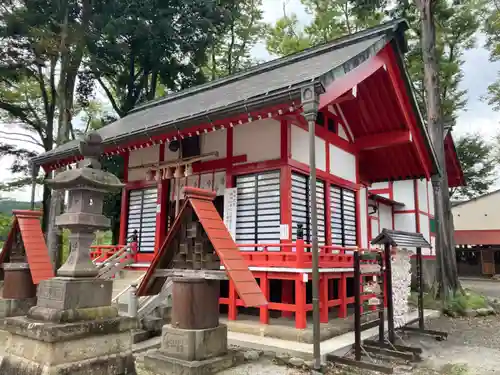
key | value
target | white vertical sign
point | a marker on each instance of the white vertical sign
(230, 207)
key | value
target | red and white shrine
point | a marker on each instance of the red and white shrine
(245, 137)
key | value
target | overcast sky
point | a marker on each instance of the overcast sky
(478, 74)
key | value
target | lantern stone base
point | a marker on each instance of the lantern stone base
(190, 352)
(99, 347)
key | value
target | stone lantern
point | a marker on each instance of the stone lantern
(74, 329)
(86, 186)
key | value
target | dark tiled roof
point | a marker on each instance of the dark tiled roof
(252, 89)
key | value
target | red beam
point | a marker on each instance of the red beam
(387, 55)
(382, 140)
(345, 83)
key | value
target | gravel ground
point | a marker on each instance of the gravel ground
(472, 348)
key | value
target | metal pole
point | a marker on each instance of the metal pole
(420, 283)
(314, 240)
(357, 306)
(390, 306)
(381, 323)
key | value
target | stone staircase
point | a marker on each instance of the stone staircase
(152, 311)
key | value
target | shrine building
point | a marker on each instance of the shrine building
(245, 137)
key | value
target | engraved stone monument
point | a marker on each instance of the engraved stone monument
(73, 329)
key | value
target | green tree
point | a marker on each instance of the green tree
(491, 27)
(138, 51)
(477, 158)
(230, 50)
(456, 27)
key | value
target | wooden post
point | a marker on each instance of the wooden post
(264, 310)
(343, 296)
(300, 302)
(232, 309)
(323, 295)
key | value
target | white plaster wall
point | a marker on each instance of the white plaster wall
(214, 141)
(342, 164)
(139, 157)
(478, 214)
(342, 133)
(300, 147)
(405, 222)
(375, 228)
(363, 217)
(433, 243)
(425, 228)
(259, 140)
(385, 216)
(422, 195)
(379, 185)
(403, 193)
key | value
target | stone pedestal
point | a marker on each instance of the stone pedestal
(73, 329)
(19, 292)
(195, 343)
(98, 347)
(190, 352)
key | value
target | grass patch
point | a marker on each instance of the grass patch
(468, 301)
(455, 369)
(456, 305)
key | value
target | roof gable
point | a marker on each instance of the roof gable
(26, 229)
(185, 247)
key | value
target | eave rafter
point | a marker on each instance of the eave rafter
(383, 140)
(410, 121)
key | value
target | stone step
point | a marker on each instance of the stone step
(153, 324)
(140, 335)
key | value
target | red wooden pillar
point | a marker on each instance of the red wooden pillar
(343, 296)
(286, 296)
(323, 298)
(124, 203)
(300, 302)
(264, 286)
(232, 309)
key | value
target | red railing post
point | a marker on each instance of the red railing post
(299, 249)
(343, 296)
(323, 298)
(300, 302)
(264, 310)
(232, 309)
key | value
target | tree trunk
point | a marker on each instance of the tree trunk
(447, 282)
(46, 208)
(54, 233)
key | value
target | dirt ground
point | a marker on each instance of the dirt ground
(472, 348)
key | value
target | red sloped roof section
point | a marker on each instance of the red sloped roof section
(34, 243)
(229, 254)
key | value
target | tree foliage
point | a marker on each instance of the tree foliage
(231, 48)
(478, 161)
(137, 50)
(456, 27)
(491, 27)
